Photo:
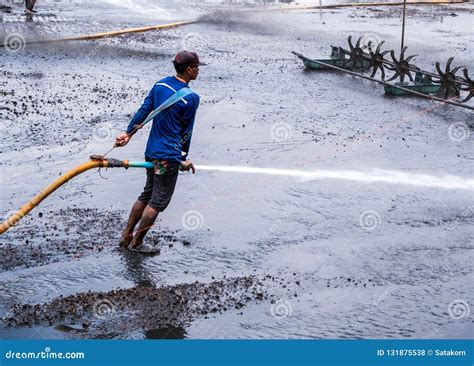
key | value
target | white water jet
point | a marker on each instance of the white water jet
(372, 176)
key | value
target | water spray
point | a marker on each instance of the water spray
(371, 176)
(381, 176)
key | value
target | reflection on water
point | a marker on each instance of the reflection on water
(136, 269)
(139, 273)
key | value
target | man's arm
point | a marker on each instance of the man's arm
(138, 118)
(142, 113)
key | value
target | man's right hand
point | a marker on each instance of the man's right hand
(187, 165)
(122, 139)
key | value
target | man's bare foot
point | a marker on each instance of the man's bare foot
(143, 248)
(126, 240)
(134, 243)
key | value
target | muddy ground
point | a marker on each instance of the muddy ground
(277, 257)
(138, 308)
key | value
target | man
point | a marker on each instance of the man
(29, 5)
(167, 147)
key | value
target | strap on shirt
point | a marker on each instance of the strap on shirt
(177, 96)
(173, 89)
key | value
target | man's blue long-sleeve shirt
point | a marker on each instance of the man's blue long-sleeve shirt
(172, 129)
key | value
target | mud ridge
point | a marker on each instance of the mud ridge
(95, 314)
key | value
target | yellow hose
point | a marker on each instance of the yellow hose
(114, 33)
(13, 219)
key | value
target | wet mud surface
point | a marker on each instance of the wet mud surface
(422, 13)
(263, 257)
(166, 311)
(111, 314)
(69, 234)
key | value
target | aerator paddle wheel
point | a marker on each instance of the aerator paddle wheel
(449, 85)
(440, 85)
(469, 87)
(356, 55)
(377, 59)
(402, 66)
